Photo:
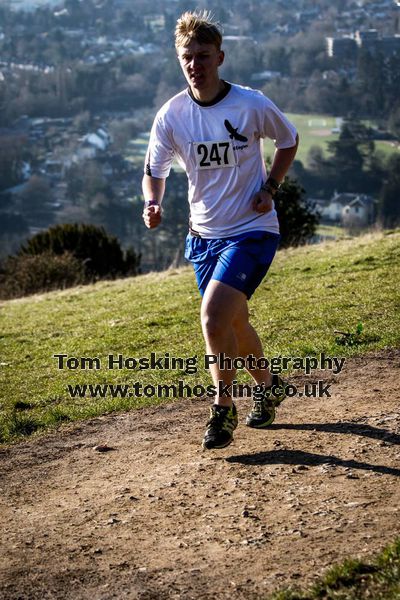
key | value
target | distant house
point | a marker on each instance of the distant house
(360, 212)
(99, 140)
(333, 210)
(238, 39)
(350, 210)
(264, 76)
(92, 144)
(308, 15)
(56, 169)
(85, 152)
(346, 46)
(26, 170)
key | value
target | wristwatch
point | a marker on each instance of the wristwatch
(150, 203)
(271, 186)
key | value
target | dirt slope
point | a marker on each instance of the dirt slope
(158, 518)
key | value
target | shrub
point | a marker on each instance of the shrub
(27, 274)
(296, 220)
(99, 252)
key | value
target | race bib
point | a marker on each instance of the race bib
(214, 155)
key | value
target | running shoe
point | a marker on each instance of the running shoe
(223, 420)
(265, 402)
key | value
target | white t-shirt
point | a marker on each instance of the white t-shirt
(220, 146)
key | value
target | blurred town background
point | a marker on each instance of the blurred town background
(80, 82)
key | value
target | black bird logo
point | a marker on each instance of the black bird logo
(234, 135)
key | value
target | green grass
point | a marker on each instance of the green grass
(137, 149)
(377, 579)
(309, 293)
(332, 232)
(314, 130)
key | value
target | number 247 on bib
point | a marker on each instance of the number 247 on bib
(214, 155)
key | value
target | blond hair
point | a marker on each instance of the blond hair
(197, 26)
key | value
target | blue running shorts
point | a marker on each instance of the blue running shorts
(241, 261)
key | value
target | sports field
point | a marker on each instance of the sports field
(314, 130)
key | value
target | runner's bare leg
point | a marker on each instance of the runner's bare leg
(249, 343)
(226, 329)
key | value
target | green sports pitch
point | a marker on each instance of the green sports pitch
(319, 130)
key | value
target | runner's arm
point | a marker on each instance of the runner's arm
(153, 192)
(262, 201)
(283, 158)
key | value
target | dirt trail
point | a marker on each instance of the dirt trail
(158, 518)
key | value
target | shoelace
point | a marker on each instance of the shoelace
(216, 418)
(258, 406)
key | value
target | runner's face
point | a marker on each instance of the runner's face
(200, 64)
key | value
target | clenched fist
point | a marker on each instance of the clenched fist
(262, 202)
(152, 215)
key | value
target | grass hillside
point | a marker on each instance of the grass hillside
(378, 579)
(310, 292)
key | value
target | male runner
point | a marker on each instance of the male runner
(215, 130)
